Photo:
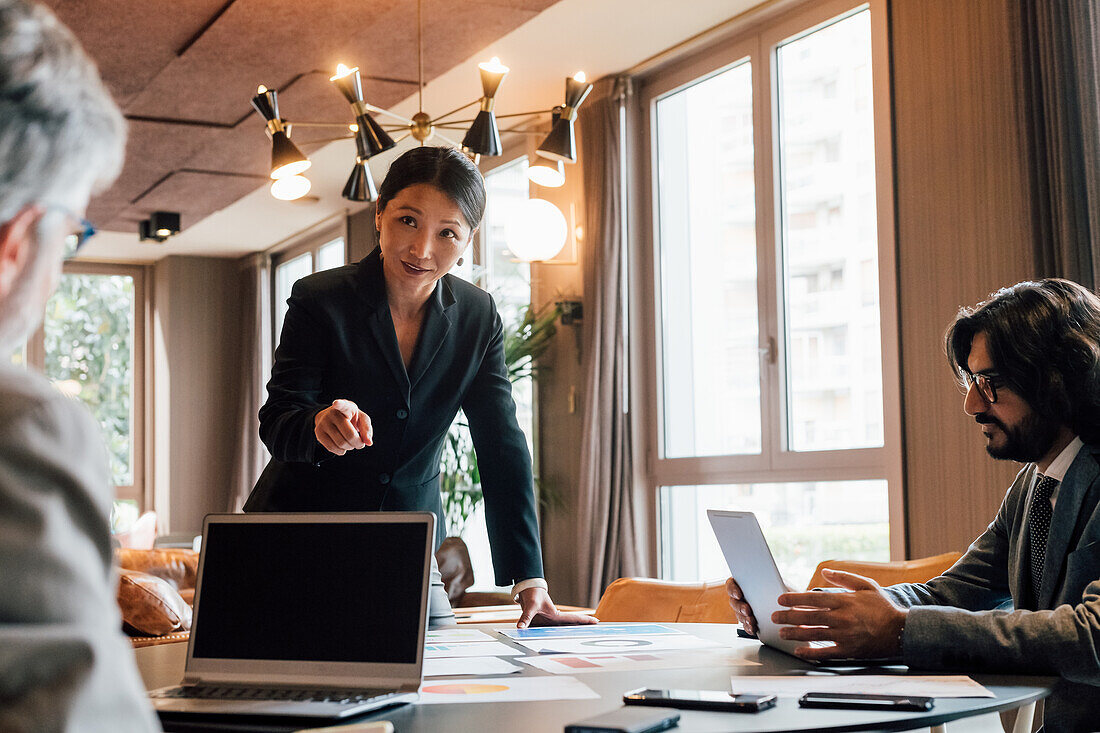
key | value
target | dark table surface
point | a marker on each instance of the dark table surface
(163, 665)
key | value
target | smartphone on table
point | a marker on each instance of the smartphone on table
(700, 700)
(859, 701)
(626, 720)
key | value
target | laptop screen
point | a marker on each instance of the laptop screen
(324, 592)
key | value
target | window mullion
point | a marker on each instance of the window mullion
(771, 337)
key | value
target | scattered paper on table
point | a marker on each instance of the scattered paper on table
(560, 632)
(798, 685)
(455, 636)
(509, 614)
(505, 690)
(619, 644)
(467, 666)
(470, 649)
(573, 664)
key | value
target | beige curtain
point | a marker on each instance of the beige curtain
(608, 540)
(255, 350)
(1060, 51)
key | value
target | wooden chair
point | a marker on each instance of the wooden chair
(888, 573)
(645, 599)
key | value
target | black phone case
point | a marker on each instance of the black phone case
(866, 702)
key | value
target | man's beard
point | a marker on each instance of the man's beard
(1026, 442)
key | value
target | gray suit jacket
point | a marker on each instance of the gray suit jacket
(953, 621)
(64, 663)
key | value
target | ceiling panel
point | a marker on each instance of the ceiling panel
(132, 40)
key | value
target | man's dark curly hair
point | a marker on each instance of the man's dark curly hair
(1044, 339)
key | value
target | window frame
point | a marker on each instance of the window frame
(756, 40)
(311, 243)
(141, 490)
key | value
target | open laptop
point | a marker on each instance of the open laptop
(751, 563)
(317, 616)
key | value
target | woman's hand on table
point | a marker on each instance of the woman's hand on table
(342, 427)
(539, 610)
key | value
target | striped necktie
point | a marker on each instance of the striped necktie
(1039, 529)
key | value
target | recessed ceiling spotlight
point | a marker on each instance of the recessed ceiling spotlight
(159, 226)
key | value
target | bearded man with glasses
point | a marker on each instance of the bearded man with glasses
(64, 664)
(1025, 598)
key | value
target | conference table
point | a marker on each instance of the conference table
(163, 665)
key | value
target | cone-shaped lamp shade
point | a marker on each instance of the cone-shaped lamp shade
(289, 188)
(360, 185)
(349, 83)
(266, 104)
(492, 74)
(370, 138)
(483, 136)
(286, 158)
(560, 144)
(548, 173)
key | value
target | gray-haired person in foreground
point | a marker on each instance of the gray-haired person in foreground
(64, 663)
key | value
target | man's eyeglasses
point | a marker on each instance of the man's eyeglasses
(82, 231)
(987, 384)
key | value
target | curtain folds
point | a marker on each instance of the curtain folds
(250, 455)
(1060, 42)
(607, 538)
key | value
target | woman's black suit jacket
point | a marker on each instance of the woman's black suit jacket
(338, 341)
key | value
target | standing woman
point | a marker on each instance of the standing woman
(374, 361)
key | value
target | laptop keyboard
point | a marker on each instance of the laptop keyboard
(226, 692)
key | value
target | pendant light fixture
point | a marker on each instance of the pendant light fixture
(482, 137)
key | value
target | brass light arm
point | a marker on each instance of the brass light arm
(454, 111)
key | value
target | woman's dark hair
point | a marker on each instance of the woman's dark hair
(445, 168)
(1044, 339)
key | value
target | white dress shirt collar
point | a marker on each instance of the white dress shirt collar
(1058, 467)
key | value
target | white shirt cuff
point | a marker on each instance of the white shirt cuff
(529, 583)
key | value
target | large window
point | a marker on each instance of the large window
(91, 346)
(767, 300)
(292, 265)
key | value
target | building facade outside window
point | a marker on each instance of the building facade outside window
(768, 295)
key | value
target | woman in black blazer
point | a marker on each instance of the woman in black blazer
(376, 358)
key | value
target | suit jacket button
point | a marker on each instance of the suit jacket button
(383, 478)
(402, 414)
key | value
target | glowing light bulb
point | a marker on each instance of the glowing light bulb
(342, 71)
(290, 188)
(164, 232)
(353, 127)
(493, 66)
(580, 77)
(261, 89)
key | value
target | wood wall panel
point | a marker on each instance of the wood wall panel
(963, 231)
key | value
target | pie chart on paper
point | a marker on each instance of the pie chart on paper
(618, 643)
(464, 689)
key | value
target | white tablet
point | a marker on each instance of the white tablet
(752, 565)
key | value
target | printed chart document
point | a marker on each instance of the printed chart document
(504, 690)
(470, 649)
(617, 643)
(468, 666)
(559, 632)
(573, 664)
(887, 684)
(456, 636)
